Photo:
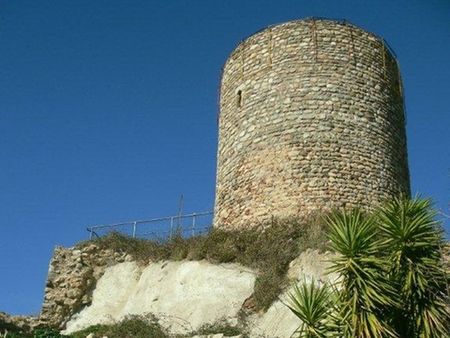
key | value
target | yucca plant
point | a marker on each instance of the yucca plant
(412, 239)
(392, 282)
(365, 294)
(313, 304)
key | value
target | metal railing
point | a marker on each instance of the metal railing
(162, 228)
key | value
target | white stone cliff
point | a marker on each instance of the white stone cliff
(188, 294)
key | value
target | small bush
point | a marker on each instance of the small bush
(98, 329)
(46, 333)
(8, 334)
(130, 327)
(14, 334)
(221, 326)
(268, 286)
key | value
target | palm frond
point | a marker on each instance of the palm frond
(365, 292)
(313, 305)
(411, 241)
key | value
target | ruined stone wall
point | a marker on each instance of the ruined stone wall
(311, 117)
(72, 276)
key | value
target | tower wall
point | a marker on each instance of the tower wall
(311, 118)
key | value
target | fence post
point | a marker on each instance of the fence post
(171, 228)
(193, 224)
(134, 229)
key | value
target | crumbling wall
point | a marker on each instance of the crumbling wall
(72, 276)
(10, 323)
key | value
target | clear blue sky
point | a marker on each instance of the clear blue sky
(108, 111)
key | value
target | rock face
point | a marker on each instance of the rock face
(183, 295)
(311, 117)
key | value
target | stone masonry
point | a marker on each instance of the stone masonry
(72, 276)
(311, 118)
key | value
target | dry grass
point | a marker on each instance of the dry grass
(269, 250)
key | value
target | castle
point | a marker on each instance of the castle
(312, 117)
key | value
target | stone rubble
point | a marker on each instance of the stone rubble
(24, 323)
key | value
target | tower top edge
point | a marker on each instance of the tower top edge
(342, 22)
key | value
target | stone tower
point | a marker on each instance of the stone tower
(311, 117)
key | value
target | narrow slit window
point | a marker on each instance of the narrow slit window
(239, 99)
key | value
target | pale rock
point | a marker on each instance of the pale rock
(183, 295)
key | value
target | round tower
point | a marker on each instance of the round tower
(311, 118)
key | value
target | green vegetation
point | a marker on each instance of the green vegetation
(221, 326)
(130, 327)
(269, 251)
(148, 326)
(314, 306)
(36, 333)
(392, 279)
(46, 333)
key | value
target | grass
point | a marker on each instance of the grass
(268, 251)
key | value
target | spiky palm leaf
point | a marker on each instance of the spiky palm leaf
(365, 294)
(412, 240)
(313, 305)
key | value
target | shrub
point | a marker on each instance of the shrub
(392, 278)
(221, 326)
(46, 333)
(314, 305)
(130, 327)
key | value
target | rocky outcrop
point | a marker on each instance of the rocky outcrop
(89, 285)
(72, 276)
(182, 295)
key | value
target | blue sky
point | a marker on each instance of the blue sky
(108, 111)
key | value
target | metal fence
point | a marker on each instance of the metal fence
(162, 228)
